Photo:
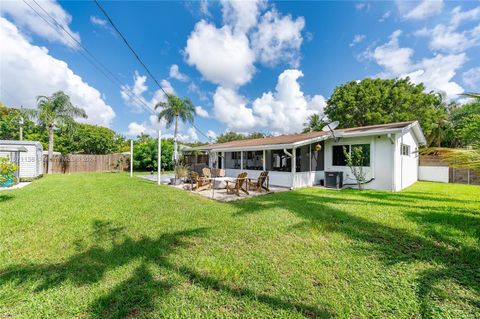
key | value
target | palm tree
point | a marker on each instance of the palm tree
(456, 157)
(314, 123)
(472, 95)
(173, 109)
(52, 111)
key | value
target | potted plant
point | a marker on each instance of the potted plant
(181, 172)
(7, 173)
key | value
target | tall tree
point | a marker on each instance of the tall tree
(53, 111)
(234, 136)
(379, 101)
(174, 109)
(314, 123)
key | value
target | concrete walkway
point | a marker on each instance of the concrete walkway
(153, 177)
(17, 186)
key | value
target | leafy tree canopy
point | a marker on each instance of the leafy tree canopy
(380, 101)
(234, 136)
(69, 137)
(145, 153)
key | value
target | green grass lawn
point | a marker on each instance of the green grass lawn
(111, 246)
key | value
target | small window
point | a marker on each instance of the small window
(338, 156)
(405, 150)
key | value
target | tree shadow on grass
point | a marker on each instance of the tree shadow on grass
(4, 198)
(450, 259)
(137, 294)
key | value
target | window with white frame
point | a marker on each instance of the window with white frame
(405, 149)
(339, 158)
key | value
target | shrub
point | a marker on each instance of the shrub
(7, 171)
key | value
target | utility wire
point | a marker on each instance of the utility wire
(96, 62)
(138, 57)
(128, 45)
(91, 57)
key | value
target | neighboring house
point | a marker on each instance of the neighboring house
(301, 160)
(26, 154)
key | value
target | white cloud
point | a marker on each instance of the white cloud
(212, 135)
(286, 109)
(447, 37)
(192, 87)
(458, 16)
(394, 59)
(29, 71)
(435, 73)
(176, 74)
(226, 55)
(204, 8)
(283, 111)
(385, 16)
(471, 78)
(424, 9)
(135, 129)
(231, 108)
(241, 15)
(98, 21)
(133, 95)
(26, 18)
(357, 38)
(362, 6)
(278, 39)
(189, 136)
(201, 112)
(222, 57)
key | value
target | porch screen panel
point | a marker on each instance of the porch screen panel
(303, 159)
(253, 160)
(277, 160)
(318, 157)
(232, 160)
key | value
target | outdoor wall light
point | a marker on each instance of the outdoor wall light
(318, 147)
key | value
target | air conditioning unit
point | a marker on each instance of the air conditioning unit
(334, 179)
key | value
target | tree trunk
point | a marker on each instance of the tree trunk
(175, 146)
(50, 149)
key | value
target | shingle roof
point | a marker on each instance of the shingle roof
(294, 138)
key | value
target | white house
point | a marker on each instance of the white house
(26, 154)
(306, 159)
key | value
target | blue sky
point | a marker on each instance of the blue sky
(247, 66)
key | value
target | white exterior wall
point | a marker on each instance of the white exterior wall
(381, 161)
(283, 179)
(307, 179)
(406, 172)
(31, 164)
(434, 173)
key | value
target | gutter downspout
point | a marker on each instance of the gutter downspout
(293, 164)
(393, 142)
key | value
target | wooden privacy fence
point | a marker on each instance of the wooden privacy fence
(455, 174)
(76, 163)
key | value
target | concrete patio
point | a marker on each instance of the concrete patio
(218, 193)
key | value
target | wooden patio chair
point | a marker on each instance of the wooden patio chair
(199, 183)
(260, 183)
(206, 172)
(240, 184)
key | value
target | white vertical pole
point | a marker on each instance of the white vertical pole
(159, 160)
(241, 160)
(294, 166)
(131, 158)
(264, 161)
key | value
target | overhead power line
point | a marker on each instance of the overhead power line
(54, 24)
(138, 57)
(128, 45)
